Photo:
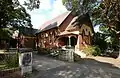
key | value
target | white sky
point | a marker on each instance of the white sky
(96, 28)
(48, 10)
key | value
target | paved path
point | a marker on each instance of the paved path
(86, 68)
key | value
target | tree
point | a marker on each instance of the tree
(32, 4)
(81, 7)
(108, 14)
(13, 14)
(99, 40)
(5, 33)
(110, 17)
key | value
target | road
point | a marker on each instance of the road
(47, 67)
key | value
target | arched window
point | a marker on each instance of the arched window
(83, 34)
(86, 29)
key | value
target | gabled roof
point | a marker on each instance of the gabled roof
(72, 24)
(27, 31)
(56, 22)
(78, 21)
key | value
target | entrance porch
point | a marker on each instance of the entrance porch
(70, 40)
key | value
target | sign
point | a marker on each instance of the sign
(25, 62)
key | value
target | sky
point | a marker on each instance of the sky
(96, 28)
(48, 9)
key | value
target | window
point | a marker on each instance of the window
(51, 33)
(46, 35)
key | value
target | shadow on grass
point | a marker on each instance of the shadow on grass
(84, 68)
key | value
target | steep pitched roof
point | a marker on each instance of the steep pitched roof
(78, 21)
(72, 24)
(27, 31)
(54, 22)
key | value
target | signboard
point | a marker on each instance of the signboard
(25, 62)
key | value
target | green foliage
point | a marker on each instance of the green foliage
(106, 39)
(81, 7)
(104, 29)
(97, 51)
(92, 50)
(99, 40)
(12, 60)
(5, 33)
(32, 4)
(8, 61)
(108, 14)
(13, 14)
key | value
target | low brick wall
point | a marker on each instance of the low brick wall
(10, 73)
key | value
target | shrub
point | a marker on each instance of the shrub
(12, 60)
(92, 50)
(97, 51)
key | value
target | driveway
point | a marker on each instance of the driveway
(96, 67)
